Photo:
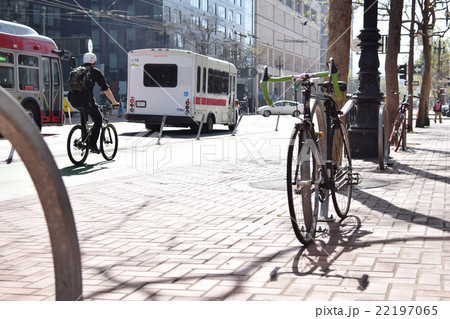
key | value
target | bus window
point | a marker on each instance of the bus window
(199, 77)
(7, 70)
(204, 81)
(218, 82)
(28, 60)
(28, 73)
(160, 75)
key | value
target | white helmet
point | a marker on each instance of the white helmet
(89, 58)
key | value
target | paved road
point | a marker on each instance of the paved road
(208, 220)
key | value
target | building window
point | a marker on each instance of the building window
(313, 15)
(205, 5)
(112, 36)
(131, 38)
(306, 11)
(167, 14)
(230, 15)
(298, 6)
(113, 62)
(195, 3)
(220, 11)
(221, 31)
(238, 18)
(176, 16)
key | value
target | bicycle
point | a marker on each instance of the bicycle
(310, 178)
(398, 134)
(78, 145)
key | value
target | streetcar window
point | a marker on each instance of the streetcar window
(28, 72)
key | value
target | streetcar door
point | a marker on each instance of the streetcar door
(52, 91)
(57, 92)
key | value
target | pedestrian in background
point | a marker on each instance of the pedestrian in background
(438, 111)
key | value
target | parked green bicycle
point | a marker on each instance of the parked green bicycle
(311, 177)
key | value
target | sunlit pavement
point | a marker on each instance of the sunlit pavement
(207, 220)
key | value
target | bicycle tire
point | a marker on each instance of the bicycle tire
(342, 170)
(400, 132)
(404, 133)
(77, 149)
(109, 142)
(394, 129)
(303, 195)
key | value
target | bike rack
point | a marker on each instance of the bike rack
(25, 137)
(200, 127)
(278, 120)
(10, 156)
(383, 138)
(237, 124)
(163, 122)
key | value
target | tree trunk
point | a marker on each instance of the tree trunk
(339, 24)
(393, 47)
(426, 78)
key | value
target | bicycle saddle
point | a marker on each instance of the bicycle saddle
(328, 86)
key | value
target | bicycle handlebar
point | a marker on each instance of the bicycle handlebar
(332, 73)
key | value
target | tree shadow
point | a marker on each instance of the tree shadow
(238, 276)
(396, 211)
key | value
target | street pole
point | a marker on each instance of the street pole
(363, 132)
(410, 67)
(279, 67)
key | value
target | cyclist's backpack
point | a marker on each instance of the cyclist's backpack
(79, 80)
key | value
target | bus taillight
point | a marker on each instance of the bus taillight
(132, 104)
(186, 108)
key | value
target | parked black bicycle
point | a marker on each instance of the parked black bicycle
(78, 145)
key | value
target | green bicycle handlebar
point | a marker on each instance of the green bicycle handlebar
(332, 73)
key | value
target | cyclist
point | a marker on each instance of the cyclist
(85, 101)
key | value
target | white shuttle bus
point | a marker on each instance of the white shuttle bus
(182, 85)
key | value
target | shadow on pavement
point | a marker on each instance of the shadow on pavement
(385, 207)
(83, 169)
(179, 134)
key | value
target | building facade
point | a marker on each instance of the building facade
(288, 40)
(283, 34)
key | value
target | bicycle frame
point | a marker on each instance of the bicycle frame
(332, 115)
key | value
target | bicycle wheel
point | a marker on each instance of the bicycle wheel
(77, 149)
(342, 171)
(302, 186)
(401, 131)
(108, 142)
(394, 135)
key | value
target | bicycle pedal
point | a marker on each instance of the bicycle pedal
(354, 179)
(319, 134)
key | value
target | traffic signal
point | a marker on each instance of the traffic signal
(402, 71)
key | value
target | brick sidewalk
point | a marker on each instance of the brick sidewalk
(202, 232)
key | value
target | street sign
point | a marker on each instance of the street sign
(417, 69)
(414, 83)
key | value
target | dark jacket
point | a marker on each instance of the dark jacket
(86, 99)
